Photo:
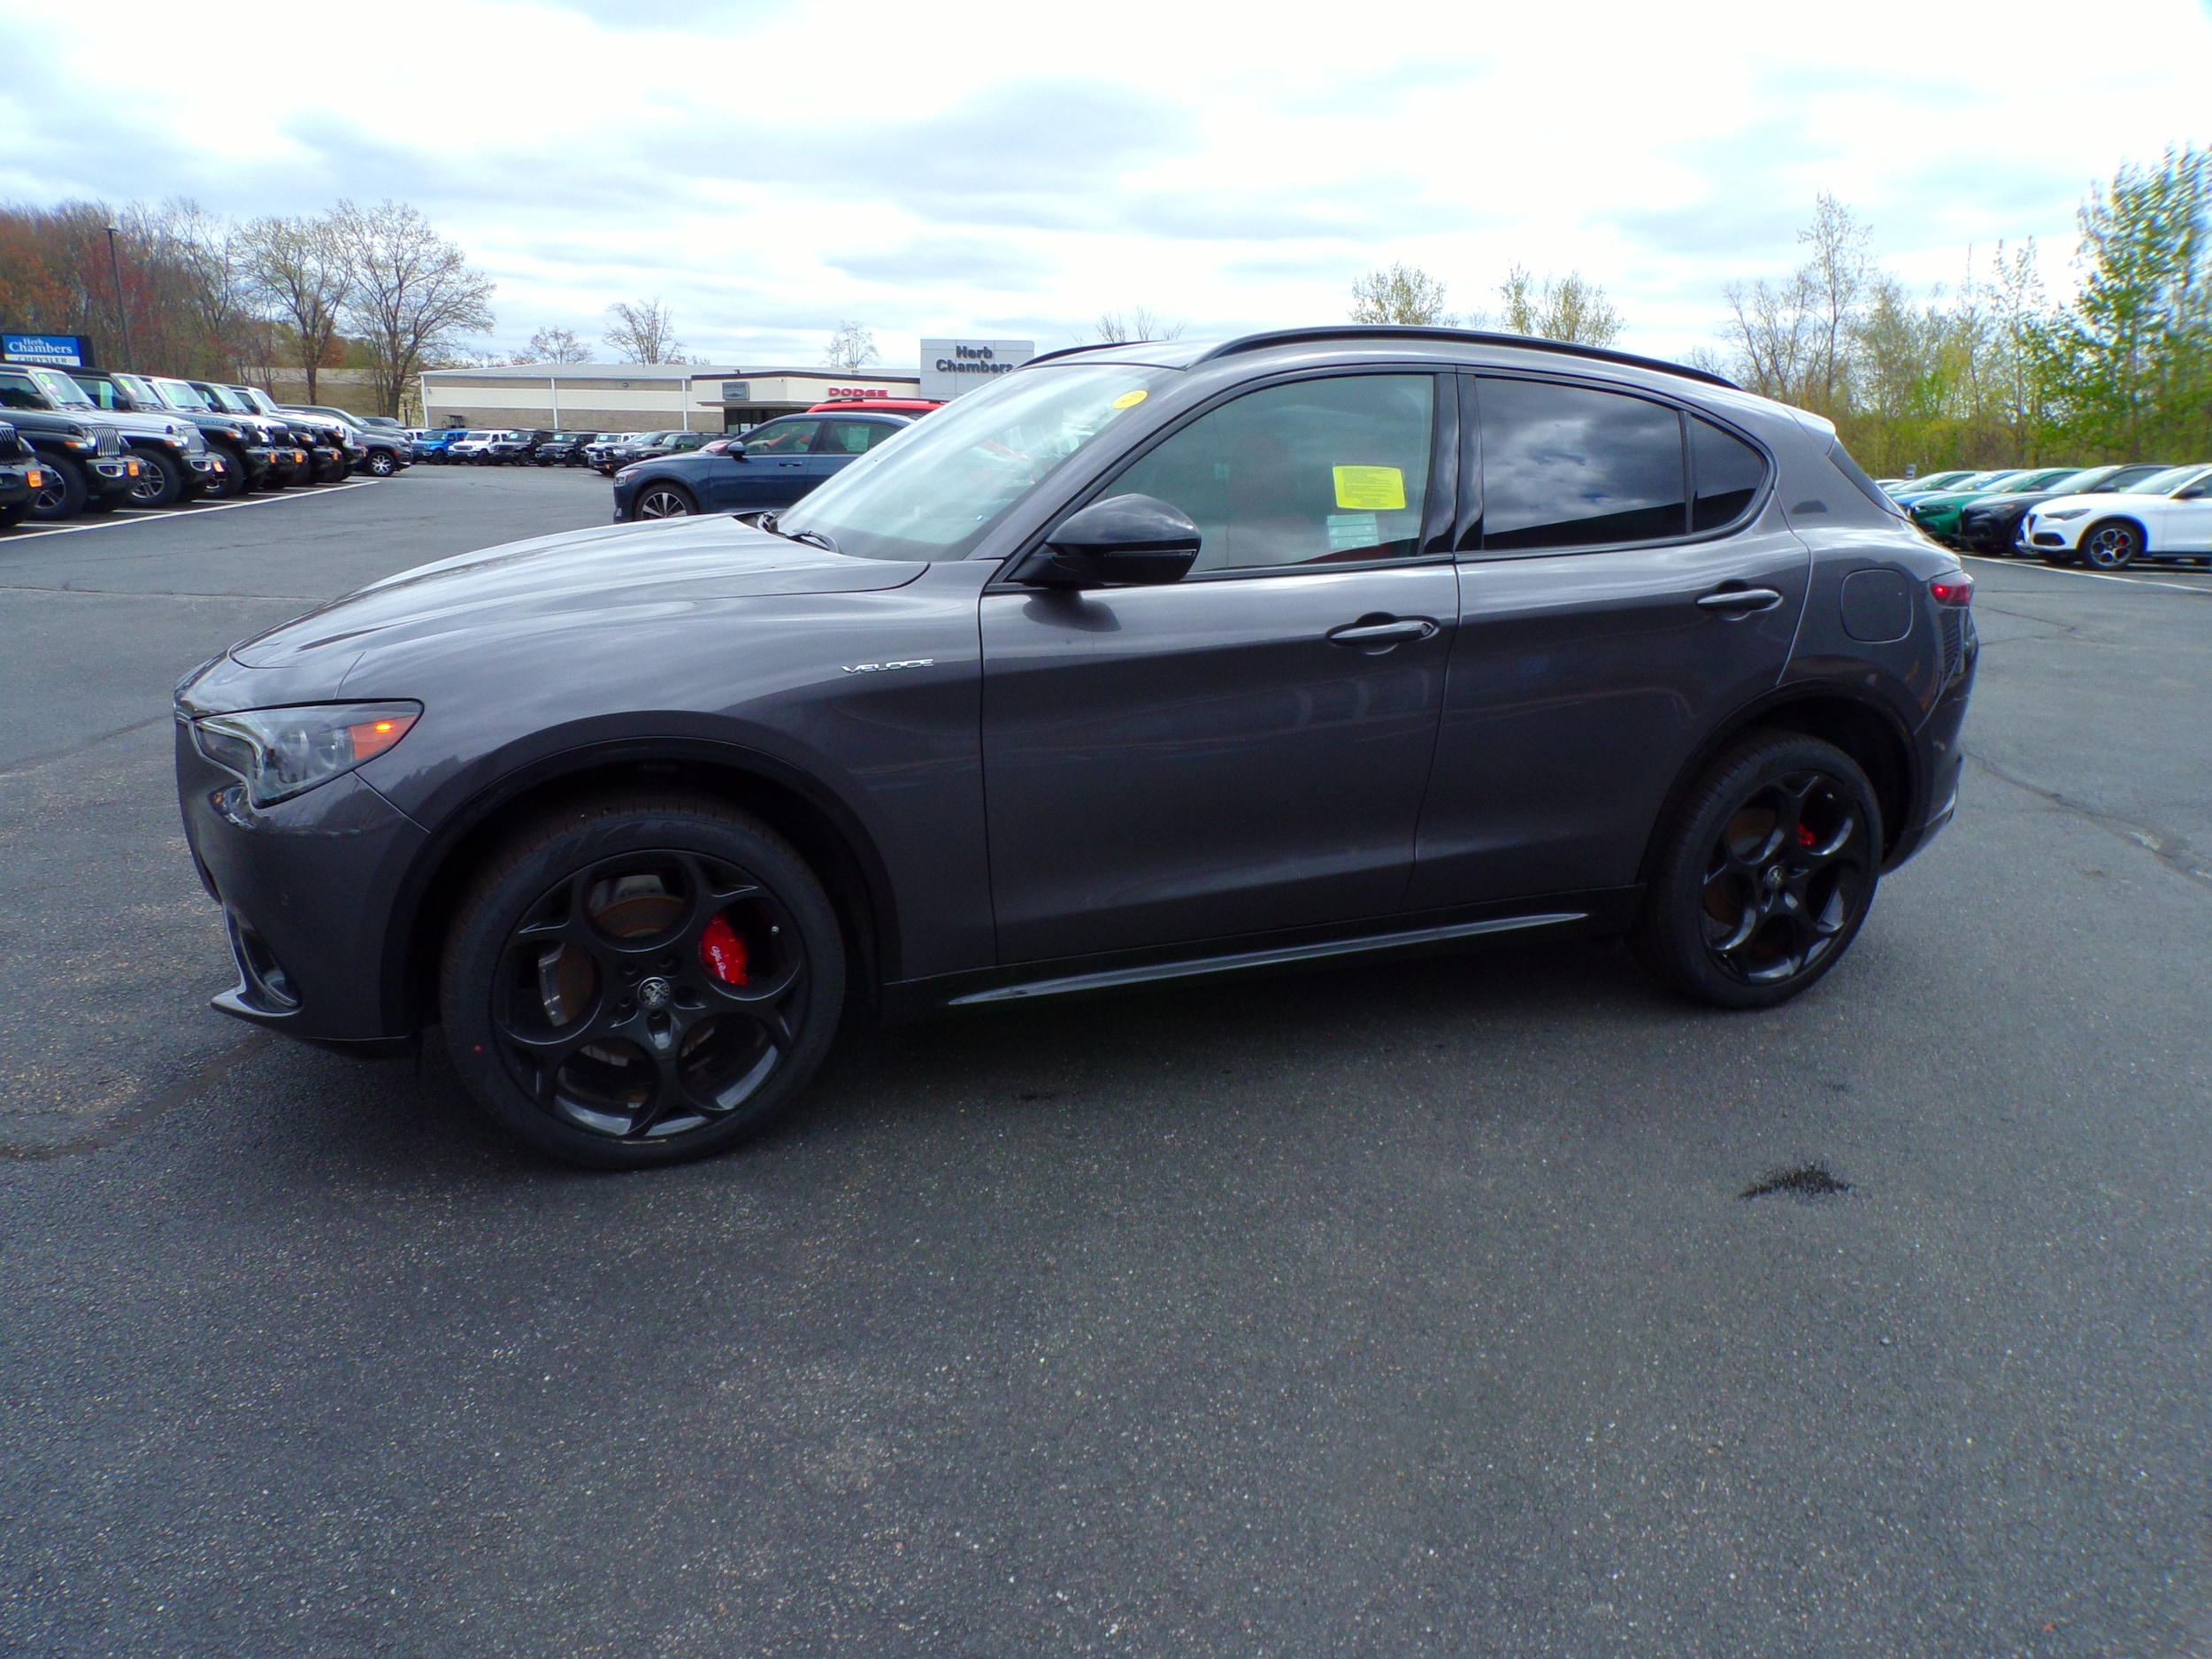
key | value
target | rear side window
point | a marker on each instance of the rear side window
(852, 437)
(1729, 474)
(1568, 466)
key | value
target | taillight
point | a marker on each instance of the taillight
(1953, 587)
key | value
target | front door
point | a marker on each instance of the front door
(1244, 751)
(1627, 585)
(774, 470)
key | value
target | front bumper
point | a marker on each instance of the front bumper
(113, 477)
(306, 887)
(2051, 535)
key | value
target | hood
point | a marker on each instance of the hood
(595, 577)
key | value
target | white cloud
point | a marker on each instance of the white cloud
(1004, 168)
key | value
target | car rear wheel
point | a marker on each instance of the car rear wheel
(1766, 876)
(642, 980)
(2111, 546)
(665, 500)
(161, 481)
(63, 495)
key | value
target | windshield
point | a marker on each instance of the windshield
(933, 490)
(66, 392)
(2028, 481)
(2160, 483)
(255, 399)
(2123, 478)
(137, 390)
(177, 394)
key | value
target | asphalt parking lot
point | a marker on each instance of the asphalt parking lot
(1412, 1311)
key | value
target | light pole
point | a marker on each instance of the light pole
(122, 311)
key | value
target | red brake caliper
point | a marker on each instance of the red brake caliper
(1805, 838)
(723, 952)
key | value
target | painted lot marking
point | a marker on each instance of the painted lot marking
(2093, 576)
(189, 509)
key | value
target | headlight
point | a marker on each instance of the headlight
(2060, 517)
(279, 753)
(627, 472)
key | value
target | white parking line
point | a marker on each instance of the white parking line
(2094, 576)
(189, 509)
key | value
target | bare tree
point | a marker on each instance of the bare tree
(851, 347)
(1558, 308)
(644, 333)
(559, 345)
(1116, 329)
(411, 294)
(1795, 340)
(299, 268)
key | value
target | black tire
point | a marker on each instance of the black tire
(683, 1065)
(2112, 544)
(64, 495)
(235, 480)
(380, 463)
(162, 481)
(1766, 875)
(659, 499)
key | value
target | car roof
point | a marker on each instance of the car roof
(1175, 354)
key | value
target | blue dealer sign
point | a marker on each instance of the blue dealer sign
(59, 352)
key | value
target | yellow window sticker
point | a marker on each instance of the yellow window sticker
(1129, 400)
(1371, 489)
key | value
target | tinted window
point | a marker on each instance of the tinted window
(853, 437)
(16, 392)
(100, 392)
(781, 437)
(1311, 473)
(1729, 474)
(1564, 466)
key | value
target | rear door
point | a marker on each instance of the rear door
(1626, 581)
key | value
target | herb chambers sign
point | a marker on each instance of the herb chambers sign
(950, 367)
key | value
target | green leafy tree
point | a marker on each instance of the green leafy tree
(1563, 308)
(2129, 362)
(1401, 294)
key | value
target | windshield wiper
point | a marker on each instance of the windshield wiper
(772, 522)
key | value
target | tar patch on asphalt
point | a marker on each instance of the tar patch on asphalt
(1807, 1181)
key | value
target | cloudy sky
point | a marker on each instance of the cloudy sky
(1014, 169)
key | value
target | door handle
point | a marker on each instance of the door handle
(1376, 635)
(1740, 602)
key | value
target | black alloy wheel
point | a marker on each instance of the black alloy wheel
(380, 463)
(1769, 871)
(2113, 545)
(63, 493)
(643, 981)
(665, 501)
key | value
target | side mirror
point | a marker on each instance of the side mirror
(1125, 540)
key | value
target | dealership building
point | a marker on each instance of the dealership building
(691, 397)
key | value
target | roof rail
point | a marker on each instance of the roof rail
(1098, 345)
(1414, 331)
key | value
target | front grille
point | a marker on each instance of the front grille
(2045, 538)
(107, 441)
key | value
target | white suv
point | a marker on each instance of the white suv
(2167, 516)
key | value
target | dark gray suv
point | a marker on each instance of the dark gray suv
(1142, 661)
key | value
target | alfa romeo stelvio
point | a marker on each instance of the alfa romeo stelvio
(1142, 661)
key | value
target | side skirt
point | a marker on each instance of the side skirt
(1607, 910)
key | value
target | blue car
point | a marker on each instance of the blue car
(772, 465)
(431, 446)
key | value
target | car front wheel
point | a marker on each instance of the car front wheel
(665, 501)
(380, 463)
(2112, 546)
(161, 481)
(63, 492)
(642, 980)
(1768, 874)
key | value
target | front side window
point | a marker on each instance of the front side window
(1332, 471)
(1569, 466)
(781, 437)
(20, 391)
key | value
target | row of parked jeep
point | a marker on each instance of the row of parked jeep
(89, 441)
